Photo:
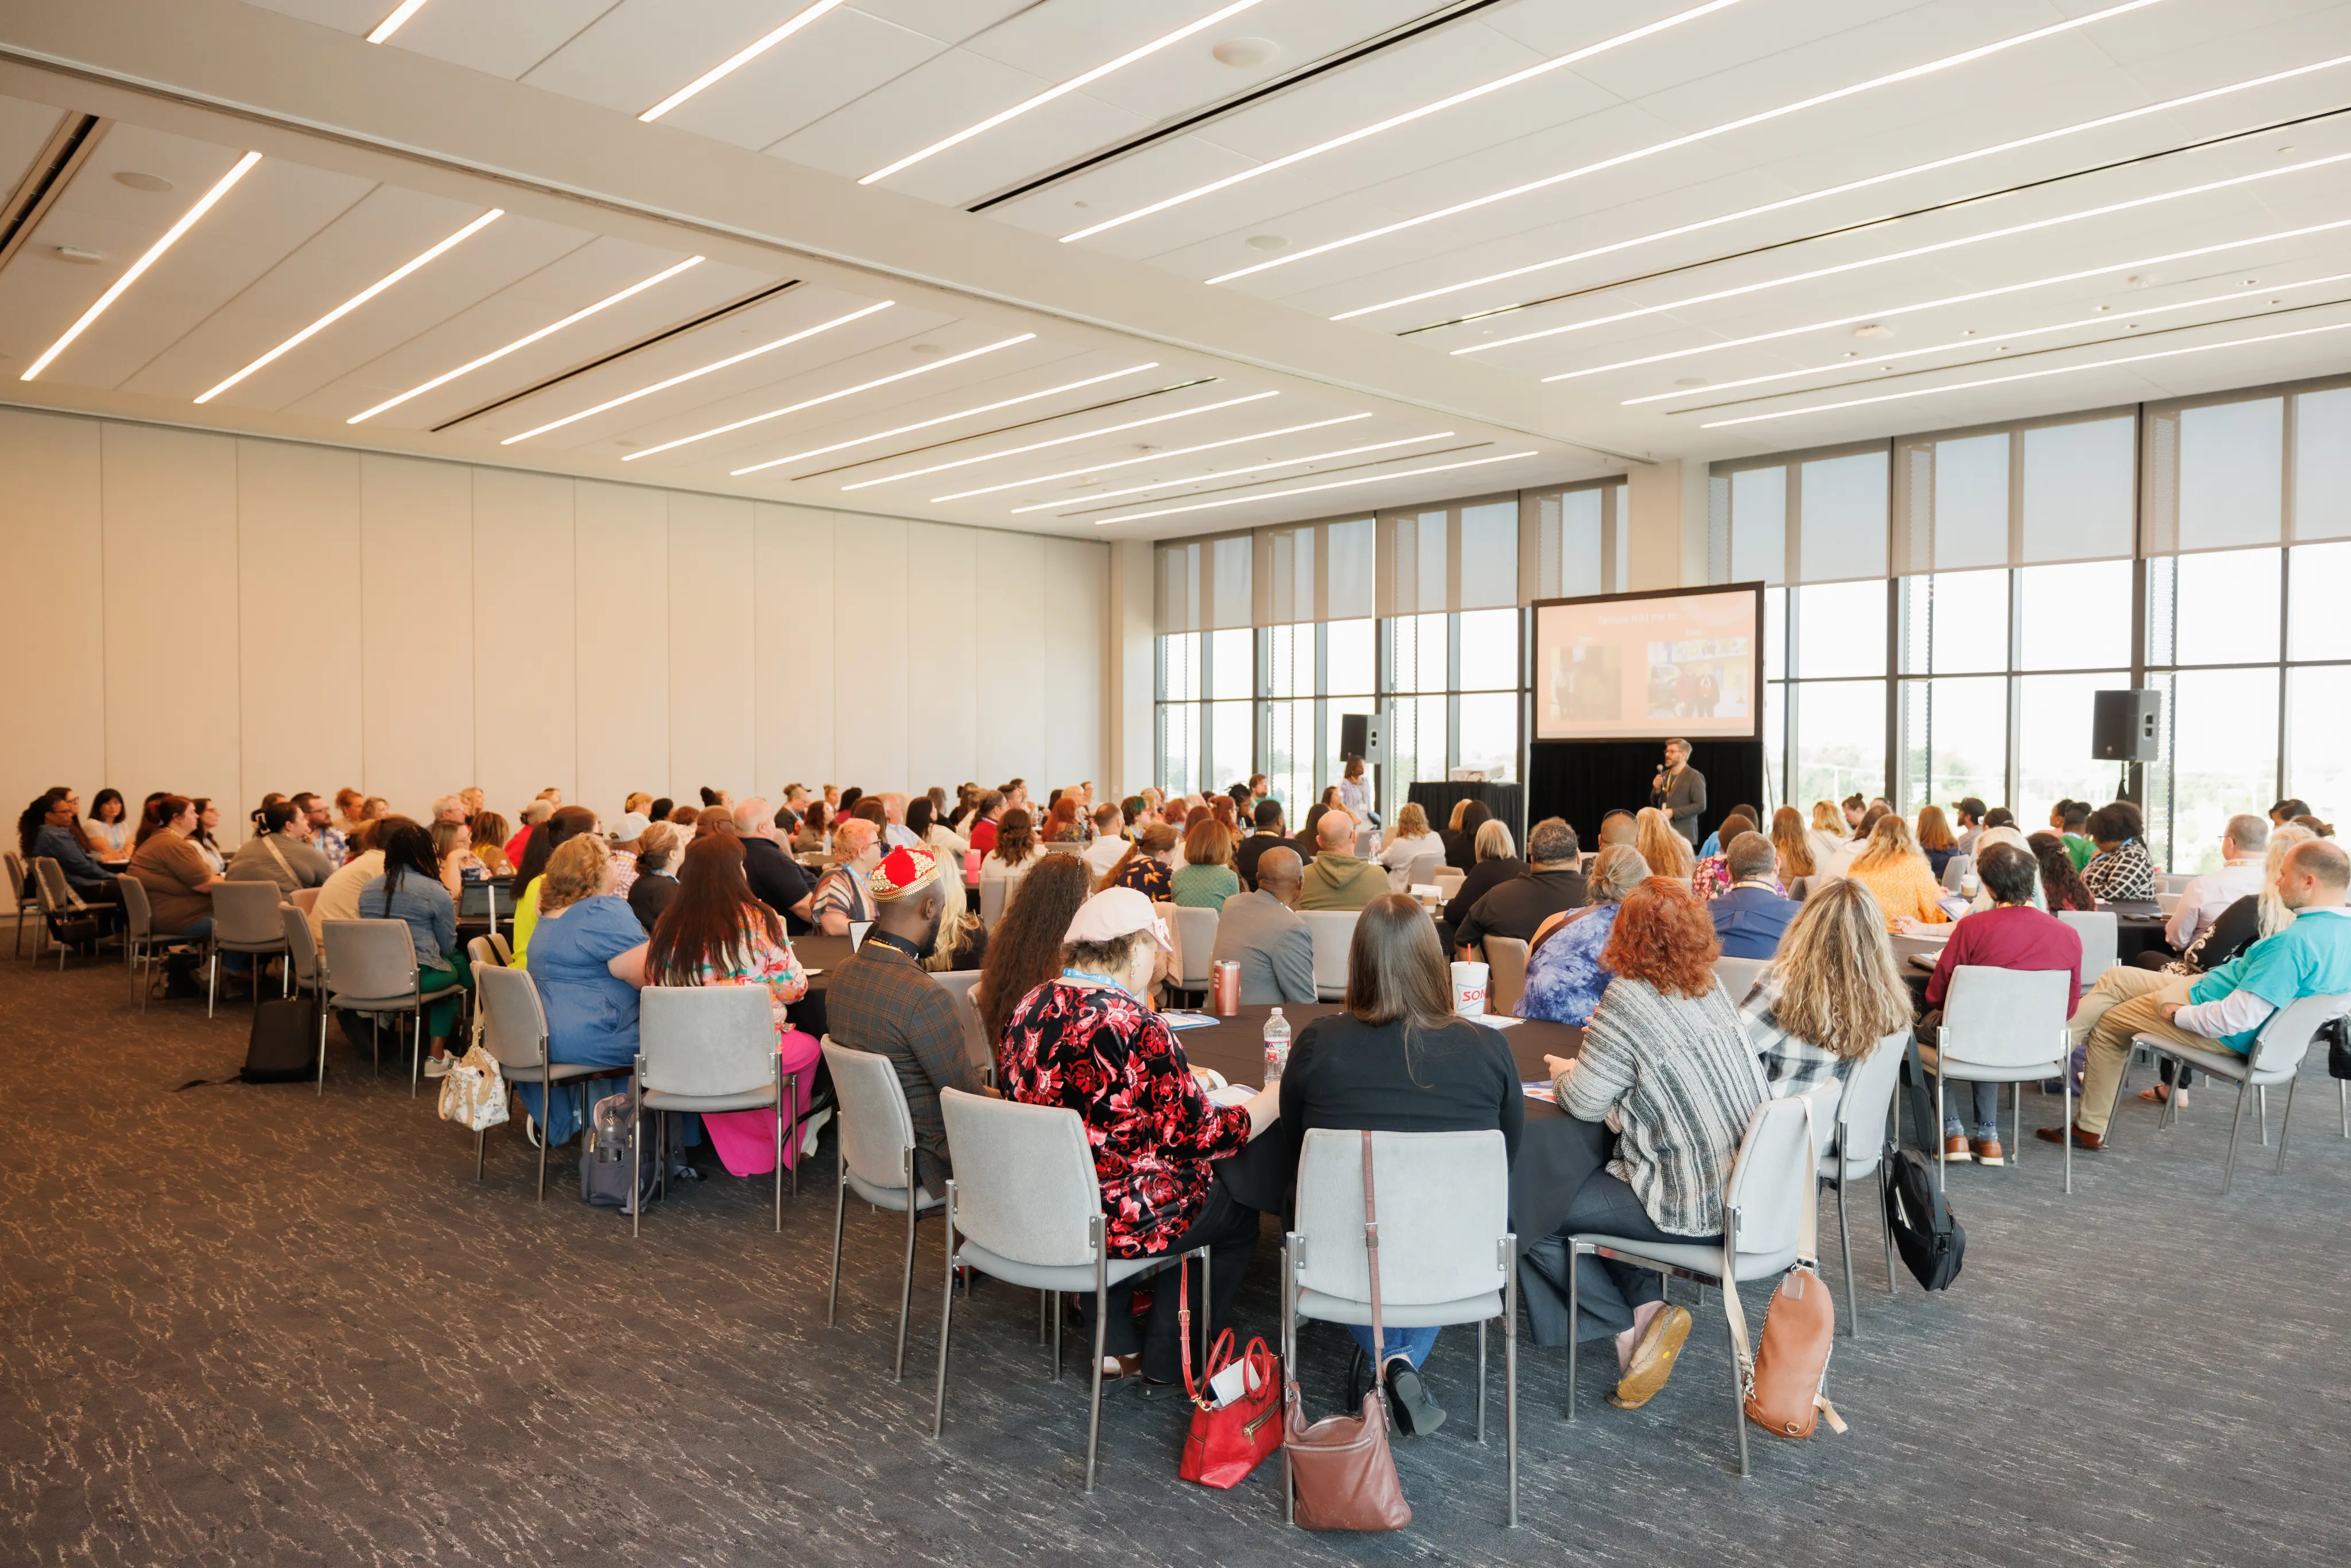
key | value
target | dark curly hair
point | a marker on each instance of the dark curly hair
(1024, 951)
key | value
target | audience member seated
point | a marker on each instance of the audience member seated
(562, 825)
(51, 828)
(409, 890)
(775, 879)
(1024, 951)
(1936, 840)
(963, 938)
(1793, 851)
(2317, 828)
(1208, 877)
(1271, 833)
(717, 933)
(2073, 827)
(843, 894)
(947, 846)
(1970, 823)
(1654, 837)
(2122, 868)
(108, 831)
(881, 1001)
(659, 848)
(1834, 991)
(452, 855)
(1017, 851)
(1110, 840)
(1896, 874)
(1565, 970)
(1354, 792)
(2227, 1005)
(1461, 840)
(201, 839)
(1062, 823)
(1712, 877)
(1339, 878)
(179, 884)
(2010, 934)
(1409, 840)
(1262, 933)
(588, 961)
(1144, 867)
(1399, 1061)
(515, 848)
(1619, 827)
(488, 832)
(1548, 884)
(2061, 887)
(2203, 899)
(1752, 915)
(1497, 862)
(814, 832)
(896, 833)
(984, 827)
(1088, 1042)
(2287, 810)
(280, 851)
(1666, 1062)
(338, 898)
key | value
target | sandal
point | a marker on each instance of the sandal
(2157, 1094)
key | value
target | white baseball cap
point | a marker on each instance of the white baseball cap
(1114, 912)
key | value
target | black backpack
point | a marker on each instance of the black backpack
(1932, 1243)
(284, 1047)
(2336, 1033)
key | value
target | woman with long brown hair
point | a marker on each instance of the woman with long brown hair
(1024, 951)
(1794, 846)
(1669, 854)
(1936, 840)
(1208, 877)
(715, 933)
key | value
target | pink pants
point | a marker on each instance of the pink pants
(745, 1140)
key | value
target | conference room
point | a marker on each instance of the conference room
(1539, 778)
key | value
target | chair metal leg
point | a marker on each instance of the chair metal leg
(1207, 1295)
(546, 1105)
(323, 1010)
(1574, 1319)
(947, 1321)
(1060, 1312)
(2262, 1113)
(1101, 1323)
(1844, 1239)
(1942, 1144)
(2236, 1127)
(636, 1131)
(2343, 1100)
(2286, 1125)
(1884, 1186)
(1511, 1370)
(1481, 1381)
(792, 1085)
(1290, 1359)
(2068, 1125)
(840, 1219)
(480, 1141)
(211, 977)
(906, 1284)
(1737, 1385)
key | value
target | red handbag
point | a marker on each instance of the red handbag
(1226, 1442)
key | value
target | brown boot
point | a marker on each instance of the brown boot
(1955, 1150)
(1987, 1152)
(2082, 1140)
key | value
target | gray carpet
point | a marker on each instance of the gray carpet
(245, 1325)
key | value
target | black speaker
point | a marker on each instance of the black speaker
(1364, 735)
(2124, 726)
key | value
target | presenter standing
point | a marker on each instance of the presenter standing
(1679, 791)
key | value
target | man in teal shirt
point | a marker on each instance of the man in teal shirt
(2227, 1005)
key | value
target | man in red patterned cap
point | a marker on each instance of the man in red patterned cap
(883, 1002)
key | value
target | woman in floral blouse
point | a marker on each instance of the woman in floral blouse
(1087, 1041)
(1712, 878)
(1565, 976)
(714, 932)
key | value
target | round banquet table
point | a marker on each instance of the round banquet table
(818, 952)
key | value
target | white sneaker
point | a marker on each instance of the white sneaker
(810, 1128)
(437, 1066)
(530, 1128)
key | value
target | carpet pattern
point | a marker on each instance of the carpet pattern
(248, 1325)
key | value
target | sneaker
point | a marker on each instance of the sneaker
(810, 1127)
(1653, 1359)
(530, 1128)
(2082, 1140)
(1955, 1148)
(437, 1066)
(1416, 1414)
(1987, 1152)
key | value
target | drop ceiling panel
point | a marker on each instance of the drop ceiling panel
(502, 38)
(639, 51)
(840, 59)
(25, 126)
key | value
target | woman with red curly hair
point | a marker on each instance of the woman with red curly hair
(1666, 1064)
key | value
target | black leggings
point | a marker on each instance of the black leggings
(1228, 1228)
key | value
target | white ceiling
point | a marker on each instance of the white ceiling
(374, 153)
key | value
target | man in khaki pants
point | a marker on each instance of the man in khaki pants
(2227, 1007)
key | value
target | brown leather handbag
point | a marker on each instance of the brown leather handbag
(1341, 1476)
(1786, 1376)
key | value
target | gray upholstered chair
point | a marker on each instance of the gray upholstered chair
(1858, 1151)
(702, 1049)
(1446, 1253)
(29, 901)
(876, 1161)
(244, 920)
(1771, 1210)
(992, 896)
(1738, 976)
(1506, 963)
(1955, 868)
(1448, 882)
(1195, 945)
(1334, 931)
(1027, 1207)
(370, 967)
(141, 942)
(64, 916)
(2101, 935)
(514, 1031)
(1422, 871)
(2004, 1026)
(2276, 1057)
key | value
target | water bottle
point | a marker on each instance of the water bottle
(1277, 1047)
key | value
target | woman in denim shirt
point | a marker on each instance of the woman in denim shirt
(1564, 973)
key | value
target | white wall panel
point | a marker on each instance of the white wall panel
(869, 675)
(1010, 582)
(710, 711)
(1077, 586)
(622, 555)
(171, 698)
(793, 646)
(414, 601)
(52, 642)
(526, 670)
(942, 648)
(297, 524)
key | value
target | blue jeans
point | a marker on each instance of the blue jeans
(1413, 1344)
(202, 930)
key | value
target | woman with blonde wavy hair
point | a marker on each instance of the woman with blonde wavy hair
(1896, 874)
(1831, 994)
(587, 960)
(1669, 854)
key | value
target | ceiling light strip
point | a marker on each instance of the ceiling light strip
(1981, 340)
(833, 396)
(1057, 90)
(528, 339)
(362, 297)
(154, 252)
(1062, 440)
(1408, 116)
(2167, 107)
(1888, 313)
(739, 59)
(1912, 254)
(2032, 375)
(398, 19)
(714, 366)
(1154, 457)
(1228, 473)
(1511, 192)
(947, 418)
(1309, 489)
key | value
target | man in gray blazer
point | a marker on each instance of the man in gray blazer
(1679, 790)
(1263, 933)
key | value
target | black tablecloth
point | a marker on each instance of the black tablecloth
(1506, 801)
(816, 952)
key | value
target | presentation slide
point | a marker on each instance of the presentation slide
(1631, 667)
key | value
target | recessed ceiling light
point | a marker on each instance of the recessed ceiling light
(1309, 489)
(527, 339)
(392, 24)
(1081, 80)
(1967, 298)
(1063, 439)
(2032, 375)
(79, 256)
(1873, 330)
(362, 297)
(171, 237)
(2105, 307)
(945, 419)
(1267, 242)
(1154, 454)
(138, 181)
(1849, 354)
(1936, 248)
(2250, 281)
(766, 348)
(1246, 54)
(739, 59)
(832, 396)
(1726, 127)
(1211, 471)
(2287, 148)
(1851, 185)
(1497, 84)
